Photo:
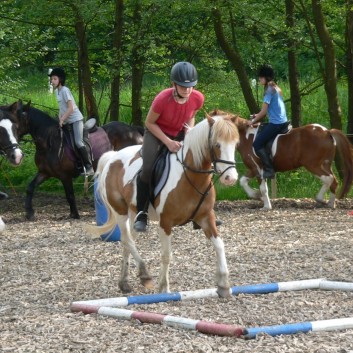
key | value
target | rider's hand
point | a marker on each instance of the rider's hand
(174, 146)
(251, 121)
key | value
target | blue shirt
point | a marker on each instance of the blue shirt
(276, 108)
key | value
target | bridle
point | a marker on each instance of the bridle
(214, 161)
(11, 147)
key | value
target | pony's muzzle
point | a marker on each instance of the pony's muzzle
(229, 177)
(16, 156)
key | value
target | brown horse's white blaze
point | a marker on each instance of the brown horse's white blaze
(188, 194)
(8, 142)
(312, 146)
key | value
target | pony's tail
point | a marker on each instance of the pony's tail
(345, 151)
(100, 179)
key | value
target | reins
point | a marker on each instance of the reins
(214, 161)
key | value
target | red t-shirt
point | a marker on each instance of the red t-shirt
(173, 115)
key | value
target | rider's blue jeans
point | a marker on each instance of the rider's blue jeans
(267, 133)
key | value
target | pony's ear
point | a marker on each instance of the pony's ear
(210, 119)
(26, 107)
(234, 119)
(13, 108)
(207, 114)
(19, 110)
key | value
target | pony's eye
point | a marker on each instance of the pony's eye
(218, 145)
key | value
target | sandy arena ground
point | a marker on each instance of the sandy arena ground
(47, 264)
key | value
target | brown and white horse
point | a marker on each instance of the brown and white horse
(311, 146)
(188, 195)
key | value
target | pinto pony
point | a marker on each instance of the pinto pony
(311, 146)
(188, 195)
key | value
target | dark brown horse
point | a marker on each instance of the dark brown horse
(48, 140)
(8, 143)
(9, 146)
(311, 146)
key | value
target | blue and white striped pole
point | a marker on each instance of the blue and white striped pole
(289, 329)
(201, 293)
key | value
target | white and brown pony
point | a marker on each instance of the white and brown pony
(189, 194)
(311, 146)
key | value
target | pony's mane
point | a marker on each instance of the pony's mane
(197, 139)
(240, 122)
(42, 123)
(5, 113)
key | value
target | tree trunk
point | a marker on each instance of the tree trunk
(83, 59)
(234, 57)
(330, 75)
(349, 39)
(138, 66)
(117, 53)
(292, 68)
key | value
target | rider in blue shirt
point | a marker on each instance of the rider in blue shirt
(273, 106)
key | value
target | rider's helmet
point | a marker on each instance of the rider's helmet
(267, 72)
(59, 72)
(184, 74)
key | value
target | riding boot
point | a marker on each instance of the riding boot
(142, 202)
(268, 172)
(86, 161)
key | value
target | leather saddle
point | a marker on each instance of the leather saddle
(95, 139)
(160, 173)
(285, 130)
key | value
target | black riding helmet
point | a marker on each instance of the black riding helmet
(184, 74)
(267, 72)
(59, 72)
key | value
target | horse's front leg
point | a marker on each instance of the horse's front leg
(36, 181)
(128, 240)
(264, 195)
(70, 197)
(166, 256)
(222, 273)
(252, 193)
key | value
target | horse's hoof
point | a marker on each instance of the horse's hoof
(74, 216)
(147, 283)
(223, 292)
(321, 203)
(3, 196)
(125, 287)
(30, 217)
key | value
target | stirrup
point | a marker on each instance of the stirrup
(89, 171)
(268, 174)
(140, 224)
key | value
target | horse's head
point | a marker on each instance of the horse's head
(9, 135)
(223, 139)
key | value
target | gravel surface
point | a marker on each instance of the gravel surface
(49, 263)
